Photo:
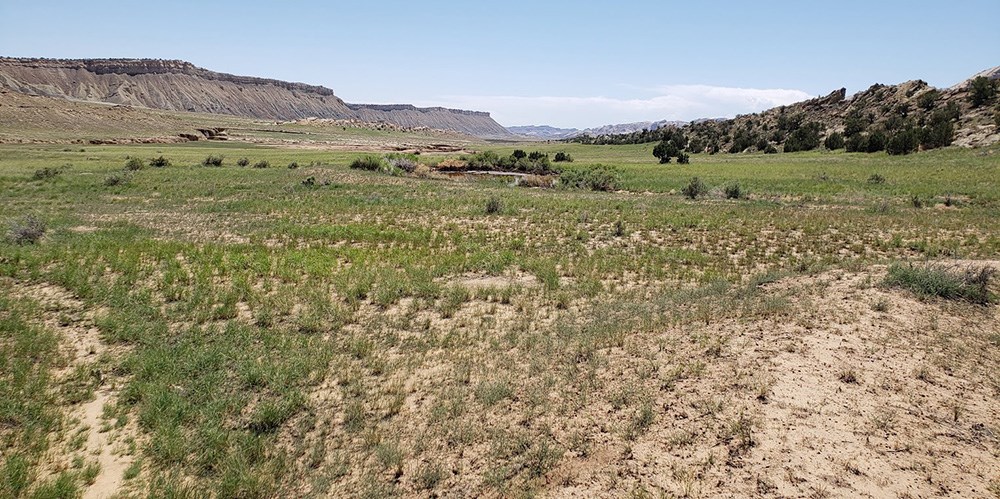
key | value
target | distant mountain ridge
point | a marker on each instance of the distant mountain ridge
(176, 85)
(545, 132)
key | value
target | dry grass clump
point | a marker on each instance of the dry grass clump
(542, 181)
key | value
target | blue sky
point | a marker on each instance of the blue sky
(563, 63)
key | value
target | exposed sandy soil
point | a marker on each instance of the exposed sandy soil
(838, 388)
(84, 349)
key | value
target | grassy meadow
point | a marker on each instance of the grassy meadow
(256, 334)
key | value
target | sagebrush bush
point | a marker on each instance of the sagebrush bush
(695, 188)
(406, 162)
(368, 163)
(159, 162)
(46, 173)
(294, 165)
(969, 284)
(243, 162)
(134, 164)
(494, 206)
(733, 191)
(876, 179)
(212, 160)
(27, 230)
(117, 179)
(262, 164)
(595, 178)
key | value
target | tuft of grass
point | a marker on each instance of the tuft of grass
(28, 230)
(970, 284)
(429, 476)
(491, 393)
(876, 179)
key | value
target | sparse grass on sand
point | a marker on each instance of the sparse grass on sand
(322, 330)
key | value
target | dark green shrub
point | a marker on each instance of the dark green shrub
(262, 164)
(117, 179)
(486, 160)
(970, 284)
(244, 162)
(733, 191)
(982, 90)
(212, 160)
(876, 179)
(695, 188)
(927, 100)
(494, 206)
(903, 142)
(294, 165)
(46, 173)
(368, 163)
(834, 141)
(28, 230)
(519, 154)
(665, 150)
(160, 162)
(562, 157)
(683, 158)
(876, 141)
(804, 138)
(134, 164)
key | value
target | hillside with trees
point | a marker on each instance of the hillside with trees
(899, 119)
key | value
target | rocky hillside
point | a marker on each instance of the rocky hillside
(913, 114)
(182, 86)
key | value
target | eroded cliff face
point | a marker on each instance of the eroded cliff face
(181, 86)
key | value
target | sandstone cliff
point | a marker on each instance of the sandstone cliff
(182, 86)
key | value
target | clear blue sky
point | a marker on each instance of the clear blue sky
(565, 63)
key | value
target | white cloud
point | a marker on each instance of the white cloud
(672, 102)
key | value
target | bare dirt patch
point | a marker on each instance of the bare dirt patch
(89, 435)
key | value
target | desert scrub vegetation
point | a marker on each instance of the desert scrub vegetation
(695, 188)
(595, 178)
(270, 334)
(213, 160)
(967, 283)
(47, 173)
(27, 230)
(134, 164)
(535, 162)
(159, 162)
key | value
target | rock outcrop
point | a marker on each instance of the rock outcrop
(181, 86)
